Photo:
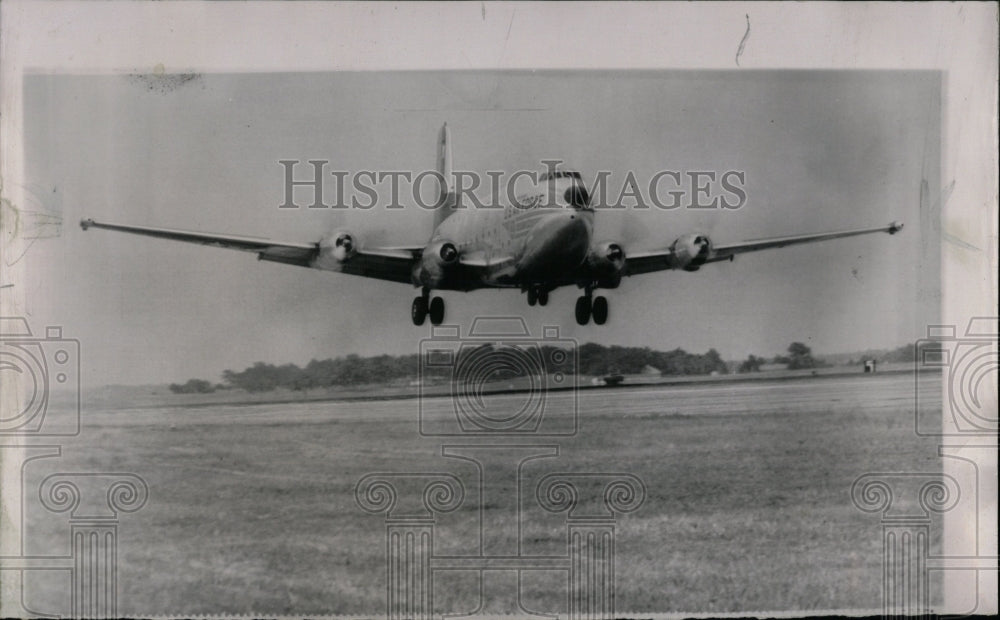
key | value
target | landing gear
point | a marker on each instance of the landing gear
(538, 296)
(583, 310)
(436, 311)
(424, 306)
(418, 311)
(599, 310)
(588, 306)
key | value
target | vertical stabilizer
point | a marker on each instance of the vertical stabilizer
(447, 199)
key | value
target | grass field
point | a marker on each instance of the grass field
(252, 509)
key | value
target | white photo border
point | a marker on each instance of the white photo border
(959, 39)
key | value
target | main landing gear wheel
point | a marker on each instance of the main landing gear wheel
(543, 297)
(436, 311)
(532, 297)
(599, 310)
(418, 311)
(583, 309)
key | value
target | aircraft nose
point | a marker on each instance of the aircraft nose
(565, 231)
(558, 242)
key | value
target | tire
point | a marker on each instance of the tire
(436, 311)
(543, 298)
(532, 297)
(582, 310)
(600, 310)
(418, 311)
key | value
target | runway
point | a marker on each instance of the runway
(747, 507)
(717, 398)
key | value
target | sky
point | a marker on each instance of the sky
(820, 150)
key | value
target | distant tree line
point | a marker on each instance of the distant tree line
(193, 386)
(799, 357)
(752, 364)
(591, 359)
(597, 359)
(905, 353)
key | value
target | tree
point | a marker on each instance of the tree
(590, 359)
(800, 356)
(712, 362)
(752, 364)
(193, 386)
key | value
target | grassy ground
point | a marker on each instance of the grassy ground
(252, 509)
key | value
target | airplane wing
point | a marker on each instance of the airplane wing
(724, 252)
(393, 264)
(646, 262)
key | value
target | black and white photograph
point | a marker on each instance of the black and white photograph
(555, 310)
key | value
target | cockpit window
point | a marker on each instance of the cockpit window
(577, 197)
(560, 174)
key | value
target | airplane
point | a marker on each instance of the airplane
(542, 241)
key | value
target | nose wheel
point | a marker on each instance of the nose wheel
(538, 296)
(588, 307)
(424, 306)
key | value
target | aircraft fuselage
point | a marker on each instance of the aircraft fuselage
(539, 241)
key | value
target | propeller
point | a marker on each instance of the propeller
(448, 252)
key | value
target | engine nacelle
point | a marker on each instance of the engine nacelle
(437, 258)
(339, 247)
(441, 254)
(691, 251)
(607, 263)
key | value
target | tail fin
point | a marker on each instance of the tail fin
(448, 201)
